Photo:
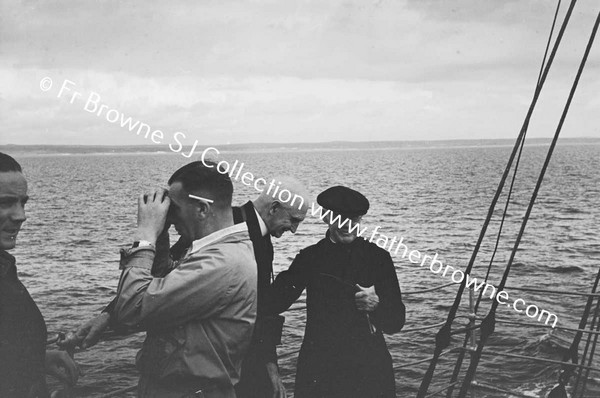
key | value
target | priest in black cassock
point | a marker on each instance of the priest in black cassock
(352, 297)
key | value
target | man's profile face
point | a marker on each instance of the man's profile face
(182, 213)
(343, 234)
(13, 197)
(283, 219)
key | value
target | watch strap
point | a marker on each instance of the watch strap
(142, 243)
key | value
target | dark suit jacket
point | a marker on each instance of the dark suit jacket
(255, 382)
(267, 332)
(263, 251)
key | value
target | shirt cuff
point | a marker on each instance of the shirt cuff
(140, 257)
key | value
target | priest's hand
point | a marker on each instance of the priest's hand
(366, 299)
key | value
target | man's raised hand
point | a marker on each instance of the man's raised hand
(152, 215)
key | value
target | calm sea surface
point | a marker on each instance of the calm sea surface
(83, 210)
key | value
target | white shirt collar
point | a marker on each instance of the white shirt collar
(263, 227)
(216, 236)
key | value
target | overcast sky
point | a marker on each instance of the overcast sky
(290, 71)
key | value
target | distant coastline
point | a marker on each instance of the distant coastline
(280, 147)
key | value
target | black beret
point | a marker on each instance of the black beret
(343, 200)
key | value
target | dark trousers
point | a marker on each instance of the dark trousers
(254, 382)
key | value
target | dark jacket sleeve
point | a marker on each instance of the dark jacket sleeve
(290, 284)
(267, 335)
(391, 313)
(284, 291)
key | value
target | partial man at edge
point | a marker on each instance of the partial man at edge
(265, 216)
(199, 317)
(24, 360)
(352, 298)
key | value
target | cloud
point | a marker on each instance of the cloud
(388, 40)
(289, 71)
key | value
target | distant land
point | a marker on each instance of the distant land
(287, 147)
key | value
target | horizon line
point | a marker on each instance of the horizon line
(307, 143)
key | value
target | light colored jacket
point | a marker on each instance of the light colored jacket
(200, 316)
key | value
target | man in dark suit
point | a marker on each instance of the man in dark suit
(266, 216)
(24, 360)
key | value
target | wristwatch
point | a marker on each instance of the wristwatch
(138, 245)
(142, 243)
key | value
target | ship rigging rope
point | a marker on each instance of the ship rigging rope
(444, 334)
(587, 345)
(590, 359)
(488, 324)
(461, 356)
(522, 144)
(567, 370)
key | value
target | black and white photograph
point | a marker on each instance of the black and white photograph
(299, 199)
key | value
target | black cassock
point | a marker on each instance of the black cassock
(340, 355)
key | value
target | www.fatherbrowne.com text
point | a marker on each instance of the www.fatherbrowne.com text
(395, 245)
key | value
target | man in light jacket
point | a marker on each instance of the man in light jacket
(200, 316)
(265, 217)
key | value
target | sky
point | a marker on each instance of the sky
(228, 71)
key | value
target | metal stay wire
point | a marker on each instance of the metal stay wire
(461, 356)
(443, 336)
(487, 327)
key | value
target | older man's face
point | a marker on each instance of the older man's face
(13, 197)
(283, 219)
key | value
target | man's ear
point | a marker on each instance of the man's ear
(202, 210)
